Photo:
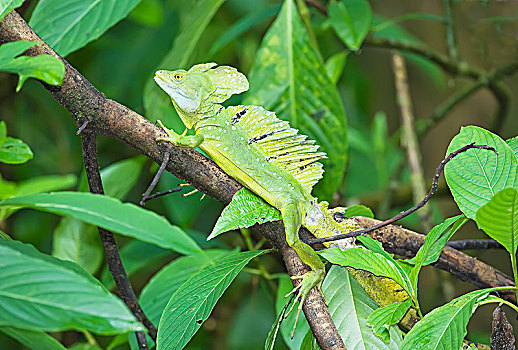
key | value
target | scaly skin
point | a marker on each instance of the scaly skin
(234, 138)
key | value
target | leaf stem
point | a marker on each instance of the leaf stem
(500, 301)
(90, 338)
(515, 273)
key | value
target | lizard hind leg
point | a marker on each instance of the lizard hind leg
(292, 219)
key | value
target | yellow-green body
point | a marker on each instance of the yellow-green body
(254, 147)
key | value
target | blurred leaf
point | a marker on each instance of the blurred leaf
(499, 218)
(246, 209)
(309, 342)
(68, 25)
(5, 236)
(513, 143)
(135, 256)
(33, 339)
(157, 103)
(285, 286)
(193, 302)
(120, 177)
(433, 245)
(382, 318)
(84, 346)
(75, 241)
(3, 132)
(445, 326)
(408, 16)
(335, 66)
(476, 175)
(351, 20)
(243, 25)
(367, 260)
(148, 13)
(42, 292)
(350, 306)
(46, 183)
(358, 210)
(14, 151)
(7, 5)
(109, 213)
(269, 344)
(43, 67)
(288, 78)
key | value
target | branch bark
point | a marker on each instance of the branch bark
(110, 118)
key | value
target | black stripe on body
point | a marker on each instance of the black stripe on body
(261, 137)
(235, 119)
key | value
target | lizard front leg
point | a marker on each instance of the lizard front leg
(183, 140)
(292, 219)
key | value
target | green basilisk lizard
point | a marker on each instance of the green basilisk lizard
(257, 149)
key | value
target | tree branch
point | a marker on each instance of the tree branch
(110, 118)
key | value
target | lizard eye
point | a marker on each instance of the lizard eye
(177, 77)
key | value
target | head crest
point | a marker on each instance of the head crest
(226, 81)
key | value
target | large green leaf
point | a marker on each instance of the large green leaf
(193, 302)
(68, 25)
(157, 103)
(476, 175)
(499, 218)
(289, 78)
(368, 260)
(513, 143)
(109, 213)
(445, 326)
(382, 318)
(350, 306)
(7, 5)
(245, 210)
(33, 339)
(44, 67)
(45, 293)
(351, 20)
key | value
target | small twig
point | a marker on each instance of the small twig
(318, 6)
(450, 32)
(146, 195)
(474, 244)
(82, 127)
(435, 184)
(160, 194)
(409, 138)
(111, 251)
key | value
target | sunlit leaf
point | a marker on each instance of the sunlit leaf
(289, 78)
(499, 218)
(42, 292)
(351, 20)
(476, 175)
(14, 151)
(245, 210)
(43, 67)
(68, 25)
(7, 5)
(382, 318)
(350, 306)
(513, 143)
(109, 213)
(193, 302)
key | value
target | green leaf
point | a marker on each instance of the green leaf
(335, 66)
(3, 132)
(433, 245)
(193, 302)
(7, 5)
(5, 236)
(499, 218)
(245, 210)
(33, 339)
(289, 79)
(68, 25)
(351, 20)
(127, 169)
(513, 143)
(358, 210)
(14, 151)
(367, 260)
(109, 213)
(382, 318)
(43, 67)
(350, 306)
(157, 103)
(42, 292)
(272, 334)
(445, 326)
(476, 175)
(75, 241)
(243, 25)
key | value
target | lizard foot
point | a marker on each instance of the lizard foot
(309, 280)
(171, 135)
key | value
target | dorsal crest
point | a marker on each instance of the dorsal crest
(282, 144)
(226, 81)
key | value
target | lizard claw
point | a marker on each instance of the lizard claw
(171, 135)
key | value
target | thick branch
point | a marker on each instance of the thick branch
(108, 117)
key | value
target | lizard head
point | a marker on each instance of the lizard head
(204, 85)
